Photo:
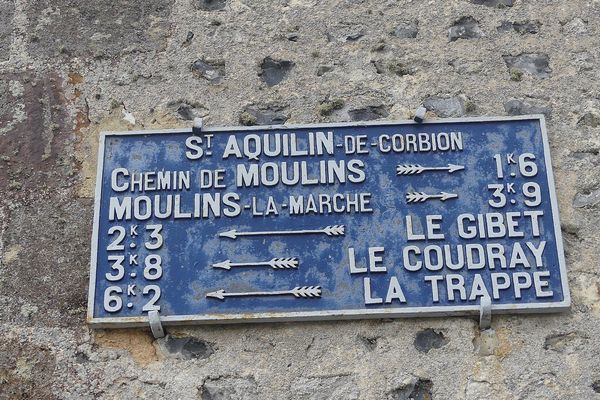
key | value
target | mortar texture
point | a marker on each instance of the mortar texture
(70, 69)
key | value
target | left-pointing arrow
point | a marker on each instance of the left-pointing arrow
(331, 230)
(305, 292)
(275, 263)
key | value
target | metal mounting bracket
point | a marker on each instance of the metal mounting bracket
(485, 313)
(420, 114)
(197, 127)
(155, 324)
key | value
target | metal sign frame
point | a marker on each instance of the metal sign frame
(434, 311)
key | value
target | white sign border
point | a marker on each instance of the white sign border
(406, 312)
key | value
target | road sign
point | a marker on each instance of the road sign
(326, 222)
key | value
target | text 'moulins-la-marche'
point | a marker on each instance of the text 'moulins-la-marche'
(326, 221)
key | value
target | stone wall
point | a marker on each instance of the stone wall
(70, 69)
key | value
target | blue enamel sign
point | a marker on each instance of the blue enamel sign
(326, 222)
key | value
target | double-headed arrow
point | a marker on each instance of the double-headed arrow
(298, 292)
(415, 169)
(331, 230)
(275, 263)
(420, 197)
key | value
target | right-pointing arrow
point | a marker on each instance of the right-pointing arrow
(416, 169)
(420, 197)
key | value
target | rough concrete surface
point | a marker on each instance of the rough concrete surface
(70, 69)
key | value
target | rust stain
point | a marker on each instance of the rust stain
(81, 121)
(504, 343)
(136, 342)
(75, 78)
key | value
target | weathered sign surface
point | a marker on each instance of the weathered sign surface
(326, 222)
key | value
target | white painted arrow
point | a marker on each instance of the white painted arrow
(275, 263)
(415, 169)
(420, 197)
(298, 292)
(331, 230)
